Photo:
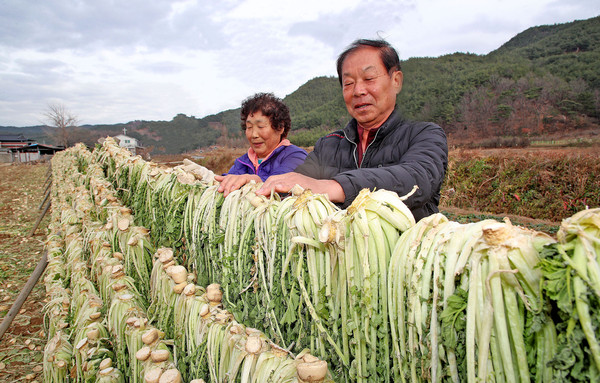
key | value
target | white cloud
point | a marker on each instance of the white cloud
(436, 27)
(289, 11)
(114, 62)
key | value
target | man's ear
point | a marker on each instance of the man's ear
(397, 78)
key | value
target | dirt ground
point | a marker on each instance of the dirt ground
(21, 193)
(538, 151)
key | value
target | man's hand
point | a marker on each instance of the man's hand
(283, 183)
(232, 182)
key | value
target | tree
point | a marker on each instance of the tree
(63, 122)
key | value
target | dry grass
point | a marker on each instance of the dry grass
(544, 184)
(21, 193)
(219, 159)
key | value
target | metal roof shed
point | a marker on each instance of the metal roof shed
(33, 152)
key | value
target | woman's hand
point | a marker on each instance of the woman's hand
(231, 182)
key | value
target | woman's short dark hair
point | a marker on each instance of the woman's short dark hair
(388, 55)
(271, 107)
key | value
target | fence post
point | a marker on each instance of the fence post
(47, 179)
(48, 187)
(40, 219)
(44, 200)
(14, 310)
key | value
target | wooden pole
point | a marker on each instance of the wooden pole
(44, 200)
(47, 179)
(40, 219)
(48, 187)
(14, 310)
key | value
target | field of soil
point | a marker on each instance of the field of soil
(21, 347)
(535, 188)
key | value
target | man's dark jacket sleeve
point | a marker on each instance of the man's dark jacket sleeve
(403, 154)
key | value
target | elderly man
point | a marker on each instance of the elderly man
(378, 149)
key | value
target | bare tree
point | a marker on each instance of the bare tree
(63, 122)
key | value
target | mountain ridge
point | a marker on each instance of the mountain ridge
(543, 80)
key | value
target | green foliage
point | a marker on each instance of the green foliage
(316, 108)
(307, 138)
(526, 87)
(181, 134)
(582, 35)
(318, 104)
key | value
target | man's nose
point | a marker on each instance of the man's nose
(359, 88)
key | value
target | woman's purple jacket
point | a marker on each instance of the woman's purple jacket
(284, 159)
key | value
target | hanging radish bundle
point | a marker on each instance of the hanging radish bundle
(466, 298)
(58, 355)
(572, 284)
(361, 240)
(203, 234)
(372, 294)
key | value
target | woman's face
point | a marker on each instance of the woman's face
(261, 135)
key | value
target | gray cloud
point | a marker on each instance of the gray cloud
(86, 25)
(369, 19)
(112, 61)
(34, 77)
(275, 56)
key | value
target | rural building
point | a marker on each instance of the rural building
(11, 141)
(33, 152)
(129, 143)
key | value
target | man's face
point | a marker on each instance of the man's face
(369, 91)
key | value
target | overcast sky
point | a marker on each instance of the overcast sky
(111, 61)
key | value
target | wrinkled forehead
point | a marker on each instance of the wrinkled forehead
(363, 59)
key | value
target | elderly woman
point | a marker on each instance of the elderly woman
(266, 121)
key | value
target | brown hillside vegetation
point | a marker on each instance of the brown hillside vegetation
(217, 158)
(541, 183)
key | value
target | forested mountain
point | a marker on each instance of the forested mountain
(542, 81)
